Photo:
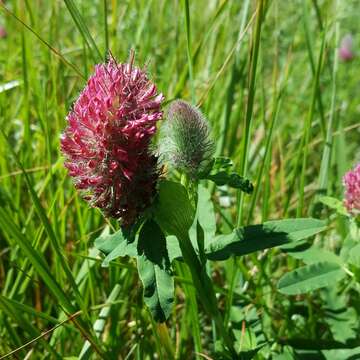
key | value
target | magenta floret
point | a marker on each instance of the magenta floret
(106, 142)
(352, 190)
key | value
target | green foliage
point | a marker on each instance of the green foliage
(100, 323)
(173, 210)
(85, 33)
(115, 245)
(311, 277)
(205, 214)
(314, 254)
(155, 272)
(252, 238)
(218, 171)
(334, 204)
(37, 261)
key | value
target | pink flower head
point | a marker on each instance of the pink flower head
(346, 52)
(352, 190)
(106, 142)
(3, 33)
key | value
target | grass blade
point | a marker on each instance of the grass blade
(82, 27)
(188, 50)
(307, 130)
(100, 322)
(51, 48)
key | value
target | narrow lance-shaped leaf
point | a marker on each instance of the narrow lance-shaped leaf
(315, 254)
(248, 239)
(311, 277)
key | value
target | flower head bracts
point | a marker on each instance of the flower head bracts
(106, 142)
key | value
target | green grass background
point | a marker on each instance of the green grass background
(287, 114)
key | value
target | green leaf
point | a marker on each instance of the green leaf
(217, 164)
(173, 210)
(339, 314)
(310, 277)
(343, 323)
(155, 271)
(173, 248)
(247, 329)
(123, 248)
(203, 227)
(106, 242)
(218, 172)
(315, 254)
(121, 243)
(354, 255)
(334, 204)
(206, 213)
(339, 354)
(252, 238)
(233, 180)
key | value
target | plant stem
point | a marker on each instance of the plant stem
(250, 104)
(325, 161)
(106, 30)
(205, 290)
(307, 130)
(188, 50)
(165, 339)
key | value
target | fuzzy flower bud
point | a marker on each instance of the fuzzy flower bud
(351, 182)
(346, 52)
(187, 144)
(106, 142)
